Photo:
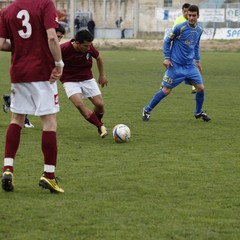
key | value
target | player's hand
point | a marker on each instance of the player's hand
(199, 67)
(56, 74)
(103, 81)
(167, 63)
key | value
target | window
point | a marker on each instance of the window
(167, 3)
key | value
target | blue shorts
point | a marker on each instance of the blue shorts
(178, 73)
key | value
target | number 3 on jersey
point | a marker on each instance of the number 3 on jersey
(24, 15)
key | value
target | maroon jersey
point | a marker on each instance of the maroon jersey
(25, 23)
(77, 66)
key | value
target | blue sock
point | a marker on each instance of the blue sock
(199, 101)
(155, 100)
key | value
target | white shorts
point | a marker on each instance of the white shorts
(35, 98)
(88, 88)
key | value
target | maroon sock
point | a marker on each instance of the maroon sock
(12, 143)
(49, 149)
(93, 119)
(99, 116)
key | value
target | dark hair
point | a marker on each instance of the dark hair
(186, 5)
(194, 8)
(60, 29)
(83, 35)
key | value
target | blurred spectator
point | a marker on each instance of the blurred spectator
(118, 22)
(77, 24)
(122, 29)
(91, 26)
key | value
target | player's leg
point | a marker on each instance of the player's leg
(78, 102)
(91, 91)
(49, 144)
(11, 146)
(45, 104)
(199, 113)
(159, 96)
(193, 90)
(49, 149)
(7, 102)
(27, 123)
(13, 134)
(88, 114)
(98, 103)
(199, 97)
(171, 79)
(197, 82)
(75, 94)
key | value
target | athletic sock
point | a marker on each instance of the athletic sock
(99, 116)
(49, 149)
(11, 146)
(155, 100)
(199, 102)
(93, 119)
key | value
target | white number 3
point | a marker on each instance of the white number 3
(24, 15)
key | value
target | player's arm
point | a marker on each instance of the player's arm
(197, 55)
(53, 44)
(197, 63)
(175, 32)
(167, 47)
(54, 47)
(101, 79)
(5, 45)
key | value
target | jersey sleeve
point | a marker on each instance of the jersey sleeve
(197, 48)
(50, 15)
(3, 29)
(168, 40)
(94, 51)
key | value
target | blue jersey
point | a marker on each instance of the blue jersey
(182, 45)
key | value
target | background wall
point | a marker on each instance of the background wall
(139, 15)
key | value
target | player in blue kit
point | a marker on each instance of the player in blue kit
(182, 62)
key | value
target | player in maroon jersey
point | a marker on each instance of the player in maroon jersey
(78, 80)
(36, 64)
(7, 98)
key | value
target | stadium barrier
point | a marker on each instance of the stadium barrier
(216, 33)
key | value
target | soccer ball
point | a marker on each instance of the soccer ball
(121, 133)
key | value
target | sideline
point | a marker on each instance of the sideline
(146, 44)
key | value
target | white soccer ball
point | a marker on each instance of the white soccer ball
(121, 133)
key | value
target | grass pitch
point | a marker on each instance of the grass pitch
(177, 178)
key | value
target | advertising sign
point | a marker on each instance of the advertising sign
(233, 14)
(211, 15)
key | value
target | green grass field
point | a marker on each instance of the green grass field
(178, 177)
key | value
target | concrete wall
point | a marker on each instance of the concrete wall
(138, 15)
